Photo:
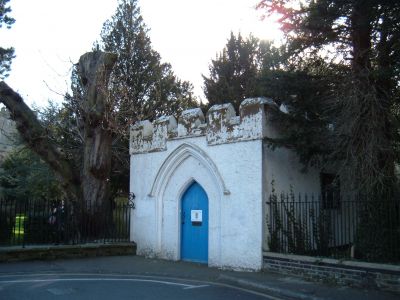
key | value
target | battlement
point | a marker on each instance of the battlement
(221, 126)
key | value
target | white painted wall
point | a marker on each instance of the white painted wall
(229, 159)
(235, 201)
(284, 168)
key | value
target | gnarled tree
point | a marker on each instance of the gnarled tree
(89, 188)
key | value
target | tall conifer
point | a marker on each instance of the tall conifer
(6, 54)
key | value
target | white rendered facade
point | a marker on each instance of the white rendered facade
(228, 157)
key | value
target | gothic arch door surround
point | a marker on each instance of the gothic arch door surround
(194, 227)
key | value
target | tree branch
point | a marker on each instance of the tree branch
(36, 137)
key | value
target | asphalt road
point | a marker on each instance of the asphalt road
(135, 277)
(103, 286)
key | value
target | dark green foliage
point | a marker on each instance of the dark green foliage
(378, 232)
(234, 72)
(62, 126)
(24, 176)
(360, 39)
(308, 117)
(6, 54)
(4, 14)
(305, 89)
(142, 86)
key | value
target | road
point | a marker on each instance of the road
(111, 286)
(135, 277)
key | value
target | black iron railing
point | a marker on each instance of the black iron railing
(346, 227)
(36, 222)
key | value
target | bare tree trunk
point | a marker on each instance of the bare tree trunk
(92, 185)
(94, 69)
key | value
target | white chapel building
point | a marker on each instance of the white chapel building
(201, 184)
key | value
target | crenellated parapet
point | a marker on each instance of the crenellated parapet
(191, 123)
(223, 126)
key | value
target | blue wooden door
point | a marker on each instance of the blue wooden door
(194, 230)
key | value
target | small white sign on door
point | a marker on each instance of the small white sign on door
(196, 215)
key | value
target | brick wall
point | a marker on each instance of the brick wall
(359, 274)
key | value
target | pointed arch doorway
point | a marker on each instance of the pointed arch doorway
(194, 227)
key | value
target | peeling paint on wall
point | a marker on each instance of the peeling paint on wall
(223, 126)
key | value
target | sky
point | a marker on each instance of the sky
(50, 35)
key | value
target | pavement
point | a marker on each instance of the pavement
(275, 285)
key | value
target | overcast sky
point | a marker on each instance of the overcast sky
(50, 35)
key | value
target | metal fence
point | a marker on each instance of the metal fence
(38, 222)
(350, 227)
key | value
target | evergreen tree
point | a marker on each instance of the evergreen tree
(60, 122)
(250, 68)
(234, 72)
(6, 54)
(362, 37)
(24, 176)
(306, 111)
(142, 86)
